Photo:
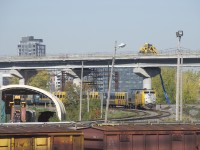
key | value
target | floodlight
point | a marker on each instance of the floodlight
(121, 45)
(179, 33)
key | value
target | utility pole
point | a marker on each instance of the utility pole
(110, 79)
(88, 102)
(181, 88)
(179, 34)
(109, 86)
(81, 95)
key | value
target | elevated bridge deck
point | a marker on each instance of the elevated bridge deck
(99, 60)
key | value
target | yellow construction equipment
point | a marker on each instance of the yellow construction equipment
(148, 49)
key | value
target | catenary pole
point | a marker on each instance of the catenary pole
(81, 95)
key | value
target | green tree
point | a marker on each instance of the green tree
(190, 87)
(14, 80)
(169, 76)
(40, 80)
(72, 103)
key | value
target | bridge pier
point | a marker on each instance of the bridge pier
(1, 79)
(147, 83)
(147, 73)
(17, 74)
(10, 73)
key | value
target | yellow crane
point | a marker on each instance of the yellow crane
(148, 49)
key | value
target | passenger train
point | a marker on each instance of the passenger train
(133, 99)
(141, 98)
(43, 99)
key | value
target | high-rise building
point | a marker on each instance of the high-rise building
(123, 80)
(29, 46)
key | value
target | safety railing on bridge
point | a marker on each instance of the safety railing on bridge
(164, 52)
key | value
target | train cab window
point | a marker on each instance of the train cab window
(17, 101)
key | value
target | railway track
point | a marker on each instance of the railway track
(141, 115)
(151, 116)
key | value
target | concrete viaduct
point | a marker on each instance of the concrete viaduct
(92, 61)
(97, 61)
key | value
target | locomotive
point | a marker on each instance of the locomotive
(18, 109)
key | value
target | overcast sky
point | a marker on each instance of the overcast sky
(91, 26)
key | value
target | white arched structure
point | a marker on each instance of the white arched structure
(60, 109)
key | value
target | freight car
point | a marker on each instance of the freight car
(40, 136)
(142, 137)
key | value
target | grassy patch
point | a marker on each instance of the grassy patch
(112, 114)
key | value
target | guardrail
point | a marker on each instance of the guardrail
(166, 52)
